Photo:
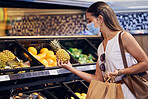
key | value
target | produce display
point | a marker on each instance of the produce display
(82, 58)
(34, 95)
(61, 54)
(9, 61)
(45, 56)
(81, 96)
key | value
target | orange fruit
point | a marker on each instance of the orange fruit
(44, 62)
(54, 64)
(38, 57)
(55, 58)
(51, 52)
(49, 65)
(44, 54)
(50, 56)
(41, 55)
(50, 61)
(44, 50)
(32, 54)
(32, 50)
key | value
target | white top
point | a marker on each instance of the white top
(113, 61)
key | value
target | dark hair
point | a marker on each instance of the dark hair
(110, 19)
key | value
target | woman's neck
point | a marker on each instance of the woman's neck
(108, 34)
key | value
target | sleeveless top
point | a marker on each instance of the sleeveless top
(113, 61)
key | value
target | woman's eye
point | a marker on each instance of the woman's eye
(89, 21)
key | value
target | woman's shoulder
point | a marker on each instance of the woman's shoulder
(126, 36)
(128, 39)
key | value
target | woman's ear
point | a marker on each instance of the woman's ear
(100, 18)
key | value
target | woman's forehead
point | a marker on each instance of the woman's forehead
(89, 16)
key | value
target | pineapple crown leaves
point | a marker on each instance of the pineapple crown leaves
(55, 44)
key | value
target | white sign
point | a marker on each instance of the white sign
(4, 78)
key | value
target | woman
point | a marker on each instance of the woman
(101, 18)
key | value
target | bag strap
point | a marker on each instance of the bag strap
(122, 51)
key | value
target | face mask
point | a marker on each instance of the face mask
(92, 29)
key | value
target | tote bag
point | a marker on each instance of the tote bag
(104, 90)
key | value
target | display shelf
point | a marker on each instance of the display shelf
(44, 73)
(37, 77)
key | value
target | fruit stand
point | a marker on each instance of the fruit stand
(44, 80)
(28, 65)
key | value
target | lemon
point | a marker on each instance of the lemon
(32, 50)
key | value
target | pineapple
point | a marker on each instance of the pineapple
(9, 54)
(61, 54)
(3, 58)
(12, 63)
(2, 65)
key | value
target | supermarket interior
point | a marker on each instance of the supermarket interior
(28, 30)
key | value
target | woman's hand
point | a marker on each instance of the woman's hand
(106, 76)
(66, 65)
(113, 74)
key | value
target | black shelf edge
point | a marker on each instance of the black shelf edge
(45, 73)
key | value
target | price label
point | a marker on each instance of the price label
(4, 78)
(92, 67)
(53, 72)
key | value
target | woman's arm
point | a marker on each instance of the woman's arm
(132, 47)
(86, 76)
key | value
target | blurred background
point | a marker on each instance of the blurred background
(65, 17)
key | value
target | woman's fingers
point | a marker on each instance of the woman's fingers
(58, 63)
(68, 62)
(106, 76)
(66, 65)
(115, 73)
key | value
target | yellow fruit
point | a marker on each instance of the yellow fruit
(9, 54)
(32, 50)
(51, 52)
(83, 94)
(50, 56)
(38, 57)
(54, 64)
(3, 58)
(55, 58)
(78, 94)
(32, 54)
(41, 56)
(50, 66)
(44, 54)
(50, 61)
(44, 50)
(61, 54)
(44, 62)
(72, 98)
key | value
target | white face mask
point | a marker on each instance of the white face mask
(92, 29)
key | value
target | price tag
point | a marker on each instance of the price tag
(92, 67)
(4, 78)
(53, 72)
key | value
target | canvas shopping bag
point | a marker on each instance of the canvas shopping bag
(104, 90)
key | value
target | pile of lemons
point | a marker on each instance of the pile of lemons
(81, 96)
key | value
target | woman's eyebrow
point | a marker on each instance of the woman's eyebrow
(87, 18)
